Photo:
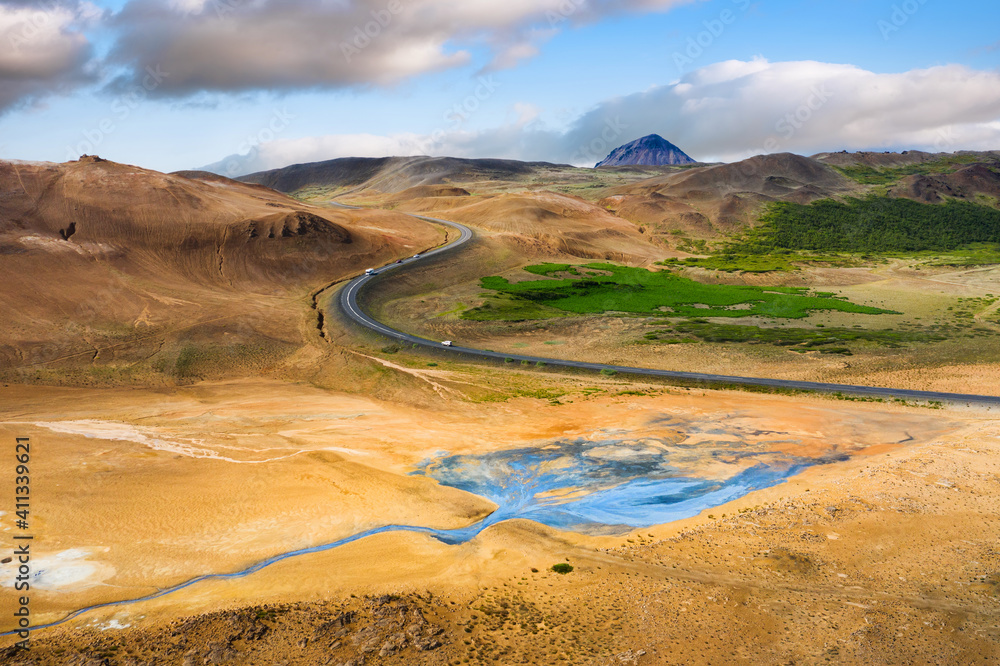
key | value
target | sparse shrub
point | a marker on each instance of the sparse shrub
(186, 361)
(562, 568)
(608, 372)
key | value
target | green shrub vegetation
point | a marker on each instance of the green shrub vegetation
(930, 404)
(599, 288)
(731, 263)
(956, 233)
(504, 307)
(562, 568)
(782, 261)
(867, 175)
(199, 361)
(828, 340)
(874, 225)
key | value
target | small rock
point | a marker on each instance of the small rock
(427, 644)
(394, 644)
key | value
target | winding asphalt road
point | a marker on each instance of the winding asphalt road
(348, 303)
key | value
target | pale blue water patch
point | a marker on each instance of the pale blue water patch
(611, 486)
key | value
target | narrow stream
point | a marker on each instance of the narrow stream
(602, 486)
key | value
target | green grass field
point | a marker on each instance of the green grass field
(506, 307)
(600, 288)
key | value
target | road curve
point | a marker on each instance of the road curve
(348, 303)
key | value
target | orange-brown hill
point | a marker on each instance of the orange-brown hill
(545, 224)
(707, 201)
(108, 264)
(426, 192)
(393, 174)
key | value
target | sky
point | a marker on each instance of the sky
(247, 85)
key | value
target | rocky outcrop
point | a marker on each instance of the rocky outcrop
(368, 631)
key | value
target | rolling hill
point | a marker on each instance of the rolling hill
(107, 264)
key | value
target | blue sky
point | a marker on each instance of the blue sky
(543, 102)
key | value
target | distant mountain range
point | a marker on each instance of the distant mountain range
(652, 150)
(704, 201)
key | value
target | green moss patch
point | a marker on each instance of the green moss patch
(600, 288)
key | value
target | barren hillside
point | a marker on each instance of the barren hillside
(104, 262)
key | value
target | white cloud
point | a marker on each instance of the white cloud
(241, 45)
(42, 50)
(237, 46)
(726, 111)
(526, 113)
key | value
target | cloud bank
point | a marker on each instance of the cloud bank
(239, 46)
(278, 45)
(726, 111)
(43, 50)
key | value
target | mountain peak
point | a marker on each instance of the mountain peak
(652, 150)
